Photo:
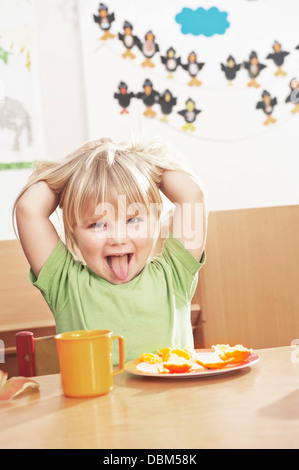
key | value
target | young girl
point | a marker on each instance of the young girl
(103, 276)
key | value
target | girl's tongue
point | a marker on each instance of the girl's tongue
(119, 265)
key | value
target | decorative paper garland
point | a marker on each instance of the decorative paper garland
(226, 89)
(203, 86)
(266, 103)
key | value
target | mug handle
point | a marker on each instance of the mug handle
(121, 354)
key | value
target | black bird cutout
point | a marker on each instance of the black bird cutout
(293, 97)
(254, 67)
(278, 57)
(167, 101)
(104, 20)
(128, 40)
(170, 61)
(193, 67)
(267, 105)
(123, 97)
(230, 69)
(189, 114)
(149, 96)
(148, 49)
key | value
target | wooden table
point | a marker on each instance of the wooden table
(256, 407)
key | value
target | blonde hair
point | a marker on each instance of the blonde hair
(100, 171)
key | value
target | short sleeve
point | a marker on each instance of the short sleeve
(52, 280)
(184, 266)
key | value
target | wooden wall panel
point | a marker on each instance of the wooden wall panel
(22, 306)
(249, 286)
(20, 302)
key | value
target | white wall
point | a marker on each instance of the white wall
(61, 94)
(240, 163)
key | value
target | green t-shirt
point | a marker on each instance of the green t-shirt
(151, 311)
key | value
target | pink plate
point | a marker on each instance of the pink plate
(149, 370)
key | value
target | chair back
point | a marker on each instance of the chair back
(36, 356)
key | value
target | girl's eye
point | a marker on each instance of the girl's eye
(134, 220)
(100, 225)
(97, 225)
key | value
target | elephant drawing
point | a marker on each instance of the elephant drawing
(14, 117)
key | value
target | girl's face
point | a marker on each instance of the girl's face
(116, 244)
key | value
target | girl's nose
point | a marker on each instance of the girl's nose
(117, 241)
(118, 235)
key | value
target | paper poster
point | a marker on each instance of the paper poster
(20, 116)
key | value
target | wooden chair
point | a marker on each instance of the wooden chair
(248, 288)
(36, 356)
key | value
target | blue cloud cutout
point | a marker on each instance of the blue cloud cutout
(201, 21)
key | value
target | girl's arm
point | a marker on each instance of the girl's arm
(37, 234)
(189, 223)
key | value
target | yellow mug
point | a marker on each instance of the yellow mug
(85, 361)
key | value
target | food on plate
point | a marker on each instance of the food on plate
(211, 361)
(224, 355)
(162, 352)
(150, 358)
(184, 360)
(170, 360)
(236, 354)
(183, 353)
(178, 361)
